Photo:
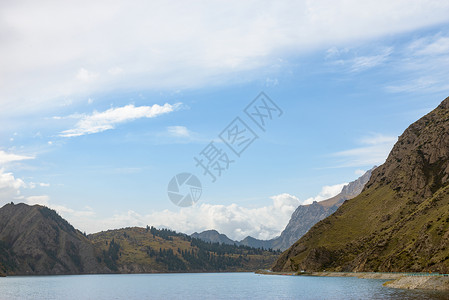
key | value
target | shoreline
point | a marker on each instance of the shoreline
(422, 281)
(140, 273)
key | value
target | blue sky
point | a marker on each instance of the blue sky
(102, 104)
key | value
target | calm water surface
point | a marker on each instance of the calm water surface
(202, 286)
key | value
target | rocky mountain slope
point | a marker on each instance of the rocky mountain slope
(305, 216)
(35, 240)
(302, 219)
(400, 222)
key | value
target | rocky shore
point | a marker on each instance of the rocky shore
(440, 283)
(397, 280)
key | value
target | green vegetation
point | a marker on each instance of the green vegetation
(162, 250)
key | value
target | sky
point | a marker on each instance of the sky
(102, 103)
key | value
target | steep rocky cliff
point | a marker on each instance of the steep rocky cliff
(399, 222)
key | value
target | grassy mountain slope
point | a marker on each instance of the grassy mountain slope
(138, 250)
(399, 222)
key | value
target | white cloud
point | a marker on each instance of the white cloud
(9, 187)
(420, 84)
(40, 200)
(235, 221)
(425, 65)
(10, 190)
(178, 131)
(68, 213)
(85, 75)
(365, 62)
(378, 139)
(360, 62)
(11, 157)
(359, 172)
(285, 203)
(33, 185)
(374, 151)
(64, 211)
(327, 191)
(333, 52)
(162, 44)
(115, 71)
(439, 45)
(101, 121)
(270, 82)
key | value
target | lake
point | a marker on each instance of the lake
(201, 286)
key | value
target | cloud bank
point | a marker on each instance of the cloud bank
(160, 45)
(236, 221)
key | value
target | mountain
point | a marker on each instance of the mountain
(256, 243)
(148, 250)
(399, 222)
(305, 216)
(213, 236)
(35, 240)
(302, 219)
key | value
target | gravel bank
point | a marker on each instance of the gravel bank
(440, 283)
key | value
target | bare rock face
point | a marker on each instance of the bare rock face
(305, 216)
(419, 161)
(400, 221)
(36, 240)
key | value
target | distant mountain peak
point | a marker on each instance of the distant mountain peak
(213, 236)
(303, 218)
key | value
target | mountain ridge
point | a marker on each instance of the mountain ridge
(399, 222)
(35, 240)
